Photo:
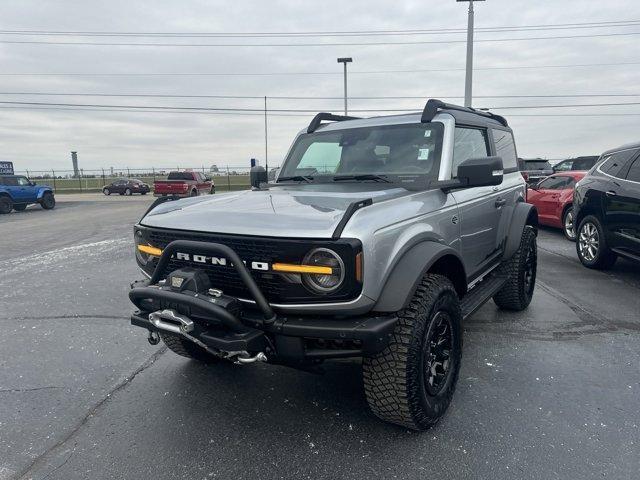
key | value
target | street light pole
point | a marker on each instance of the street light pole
(344, 61)
(468, 83)
(266, 138)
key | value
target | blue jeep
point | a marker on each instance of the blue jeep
(16, 192)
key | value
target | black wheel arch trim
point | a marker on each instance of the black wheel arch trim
(409, 270)
(523, 214)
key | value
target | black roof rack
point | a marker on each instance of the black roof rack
(319, 118)
(433, 105)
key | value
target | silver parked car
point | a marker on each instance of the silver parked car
(377, 238)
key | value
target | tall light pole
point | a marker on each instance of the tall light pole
(266, 138)
(344, 61)
(468, 83)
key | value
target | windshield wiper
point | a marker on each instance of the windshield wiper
(296, 178)
(363, 177)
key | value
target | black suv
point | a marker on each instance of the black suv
(578, 163)
(607, 209)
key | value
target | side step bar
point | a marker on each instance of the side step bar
(482, 292)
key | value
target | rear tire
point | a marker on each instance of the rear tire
(568, 226)
(521, 270)
(212, 191)
(591, 245)
(186, 348)
(48, 201)
(106, 191)
(194, 193)
(411, 382)
(6, 205)
(127, 192)
(20, 208)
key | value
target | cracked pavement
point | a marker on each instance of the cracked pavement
(552, 392)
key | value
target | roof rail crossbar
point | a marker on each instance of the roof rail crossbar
(319, 118)
(433, 106)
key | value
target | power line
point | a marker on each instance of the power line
(44, 108)
(325, 44)
(289, 97)
(83, 109)
(449, 30)
(290, 110)
(261, 74)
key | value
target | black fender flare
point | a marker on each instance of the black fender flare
(408, 271)
(523, 214)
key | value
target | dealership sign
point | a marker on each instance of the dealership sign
(6, 168)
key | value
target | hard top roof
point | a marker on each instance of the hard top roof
(433, 108)
(626, 146)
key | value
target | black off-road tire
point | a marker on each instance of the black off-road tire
(604, 257)
(186, 348)
(521, 271)
(6, 205)
(395, 380)
(48, 201)
(20, 207)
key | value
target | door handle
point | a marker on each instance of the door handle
(611, 193)
(500, 203)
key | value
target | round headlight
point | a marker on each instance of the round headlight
(324, 282)
(141, 257)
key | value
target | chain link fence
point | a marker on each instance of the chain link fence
(225, 178)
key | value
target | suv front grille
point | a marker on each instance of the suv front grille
(275, 287)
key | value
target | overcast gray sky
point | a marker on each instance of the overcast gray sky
(42, 139)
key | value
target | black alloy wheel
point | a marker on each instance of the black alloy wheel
(436, 353)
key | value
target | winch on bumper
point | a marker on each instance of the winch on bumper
(186, 304)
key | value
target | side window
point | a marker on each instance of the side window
(555, 183)
(321, 157)
(634, 172)
(11, 181)
(564, 166)
(468, 143)
(614, 162)
(23, 182)
(505, 148)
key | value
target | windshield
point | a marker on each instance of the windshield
(395, 153)
(180, 176)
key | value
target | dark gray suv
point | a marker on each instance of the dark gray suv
(377, 238)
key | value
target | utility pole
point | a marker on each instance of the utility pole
(266, 138)
(468, 83)
(344, 61)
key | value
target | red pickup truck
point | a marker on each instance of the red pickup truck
(184, 184)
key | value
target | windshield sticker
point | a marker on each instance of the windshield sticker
(423, 154)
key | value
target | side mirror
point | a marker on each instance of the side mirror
(257, 175)
(32, 183)
(481, 172)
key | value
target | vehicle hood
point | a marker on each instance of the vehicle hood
(308, 211)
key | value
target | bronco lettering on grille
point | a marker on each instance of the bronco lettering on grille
(220, 261)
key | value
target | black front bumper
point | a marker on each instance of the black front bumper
(253, 329)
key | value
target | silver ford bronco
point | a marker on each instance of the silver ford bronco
(378, 237)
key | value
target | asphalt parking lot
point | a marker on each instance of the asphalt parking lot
(552, 392)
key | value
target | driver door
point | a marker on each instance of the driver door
(480, 208)
(24, 192)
